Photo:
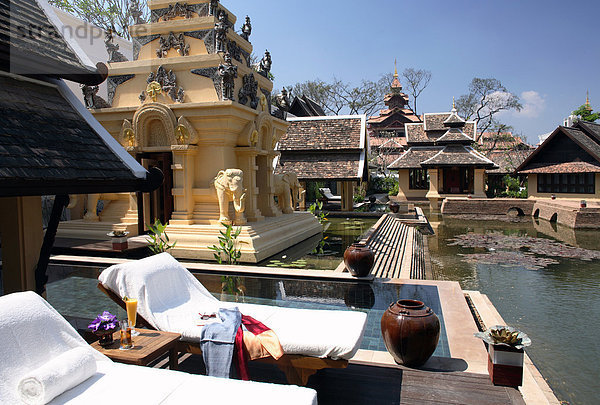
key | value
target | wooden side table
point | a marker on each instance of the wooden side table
(148, 346)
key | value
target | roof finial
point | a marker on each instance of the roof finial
(395, 69)
(587, 101)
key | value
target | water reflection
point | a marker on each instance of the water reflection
(557, 306)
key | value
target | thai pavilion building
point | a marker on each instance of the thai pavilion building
(387, 135)
(566, 164)
(440, 160)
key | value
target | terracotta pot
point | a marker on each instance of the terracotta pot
(410, 332)
(394, 207)
(359, 260)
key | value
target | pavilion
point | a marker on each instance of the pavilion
(441, 160)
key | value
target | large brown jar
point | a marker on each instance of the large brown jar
(359, 259)
(410, 332)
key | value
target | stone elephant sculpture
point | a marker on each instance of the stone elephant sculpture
(229, 185)
(287, 189)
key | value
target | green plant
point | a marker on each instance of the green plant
(228, 245)
(316, 209)
(382, 185)
(232, 285)
(513, 188)
(394, 189)
(159, 240)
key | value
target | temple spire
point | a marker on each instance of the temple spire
(587, 101)
(395, 69)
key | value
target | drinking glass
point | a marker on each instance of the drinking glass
(126, 340)
(131, 305)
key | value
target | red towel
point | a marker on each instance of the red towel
(257, 342)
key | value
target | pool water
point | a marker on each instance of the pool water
(325, 251)
(557, 305)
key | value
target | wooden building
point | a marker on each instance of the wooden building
(441, 160)
(326, 149)
(566, 164)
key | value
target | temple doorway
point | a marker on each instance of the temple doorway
(159, 203)
(458, 180)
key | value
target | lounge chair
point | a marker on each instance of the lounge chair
(326, 193)
(170, 299)
(34, 335)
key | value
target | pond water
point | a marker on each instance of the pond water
(326, 251)
(557, 305)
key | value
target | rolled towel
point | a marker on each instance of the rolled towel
(60, 374)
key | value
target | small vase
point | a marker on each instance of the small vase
(394, 207)
(410, 332)
(359, 260)
(106, 337)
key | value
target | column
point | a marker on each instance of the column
(184, 157)
(433, 193)
(479, 184)
(347, 192)
(302, 201)
(247, 163)
(22, 237)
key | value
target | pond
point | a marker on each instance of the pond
(326, 251)
(537, 286)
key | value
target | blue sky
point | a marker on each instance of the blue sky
(547, 52)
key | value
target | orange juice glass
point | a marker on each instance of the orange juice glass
(131, 305)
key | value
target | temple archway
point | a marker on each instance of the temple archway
(154, 125)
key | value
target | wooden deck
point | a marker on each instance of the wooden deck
(399, 249)
(361, 384)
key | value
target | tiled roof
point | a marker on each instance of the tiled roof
(589, 144)
(321, 166)
(569, 167)
(42, 50)
(454, 135)
(507, 160)
(45, 142)
(435, 121)
(401, 115)
(390, 142)
(433, 128)
(458, 155)
(591, 128)
(412, 158)
(326, 133)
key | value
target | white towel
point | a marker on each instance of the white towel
(60, 374)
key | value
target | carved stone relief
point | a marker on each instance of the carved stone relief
(264, 66)
(179, 10)
(128, 134)
(221, 28)
(175, 42)
(154, 125)
(139, 42)
(246, 29)
(113, 49)
(163, 82)
(248, 91)
(91, 97)
(185, 132)
(113, 82)
(267, 95)
(208, 36)
(227, 72)
(234, 50)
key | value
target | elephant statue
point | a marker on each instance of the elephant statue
(229, 185)
(287, 190)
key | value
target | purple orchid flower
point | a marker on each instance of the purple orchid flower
(104, 322)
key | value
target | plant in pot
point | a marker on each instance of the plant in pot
(118, 239)
(505, 354)
(104, 326)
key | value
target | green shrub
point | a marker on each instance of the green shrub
(159, 240)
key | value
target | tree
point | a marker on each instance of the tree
(339, 96)
(486, 98)
(585, 113)
(115, 15)
(416, 80)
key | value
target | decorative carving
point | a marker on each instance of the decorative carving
(227, 72)
(282, 100)
(128, 134)
(254, 138)
(185, 132)
(213, 7)
(267, 94)
(136, 12)
(113, 49)
(163, 82)
(246, 56)
(229, 185)
(113, 82)
(208, 36)
(264, 66)
(175, 42)
(139, 42)
(91, 97)
(246, 29)
(248, 91)
(286, 185)
(154, 125)
(221, 28)
(211, 73)
(200, 9)
(234, 50)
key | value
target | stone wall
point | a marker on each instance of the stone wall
(484, 206)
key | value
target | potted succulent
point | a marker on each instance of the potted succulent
(583, 204)
(119, 239)
(104, 326)
(505, 354)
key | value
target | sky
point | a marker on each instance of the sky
(546, 52)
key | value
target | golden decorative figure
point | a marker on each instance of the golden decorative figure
(274, 143)
(129, 136)
(254, 138)
(263, 102)
(153, 90)
(182, 134)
